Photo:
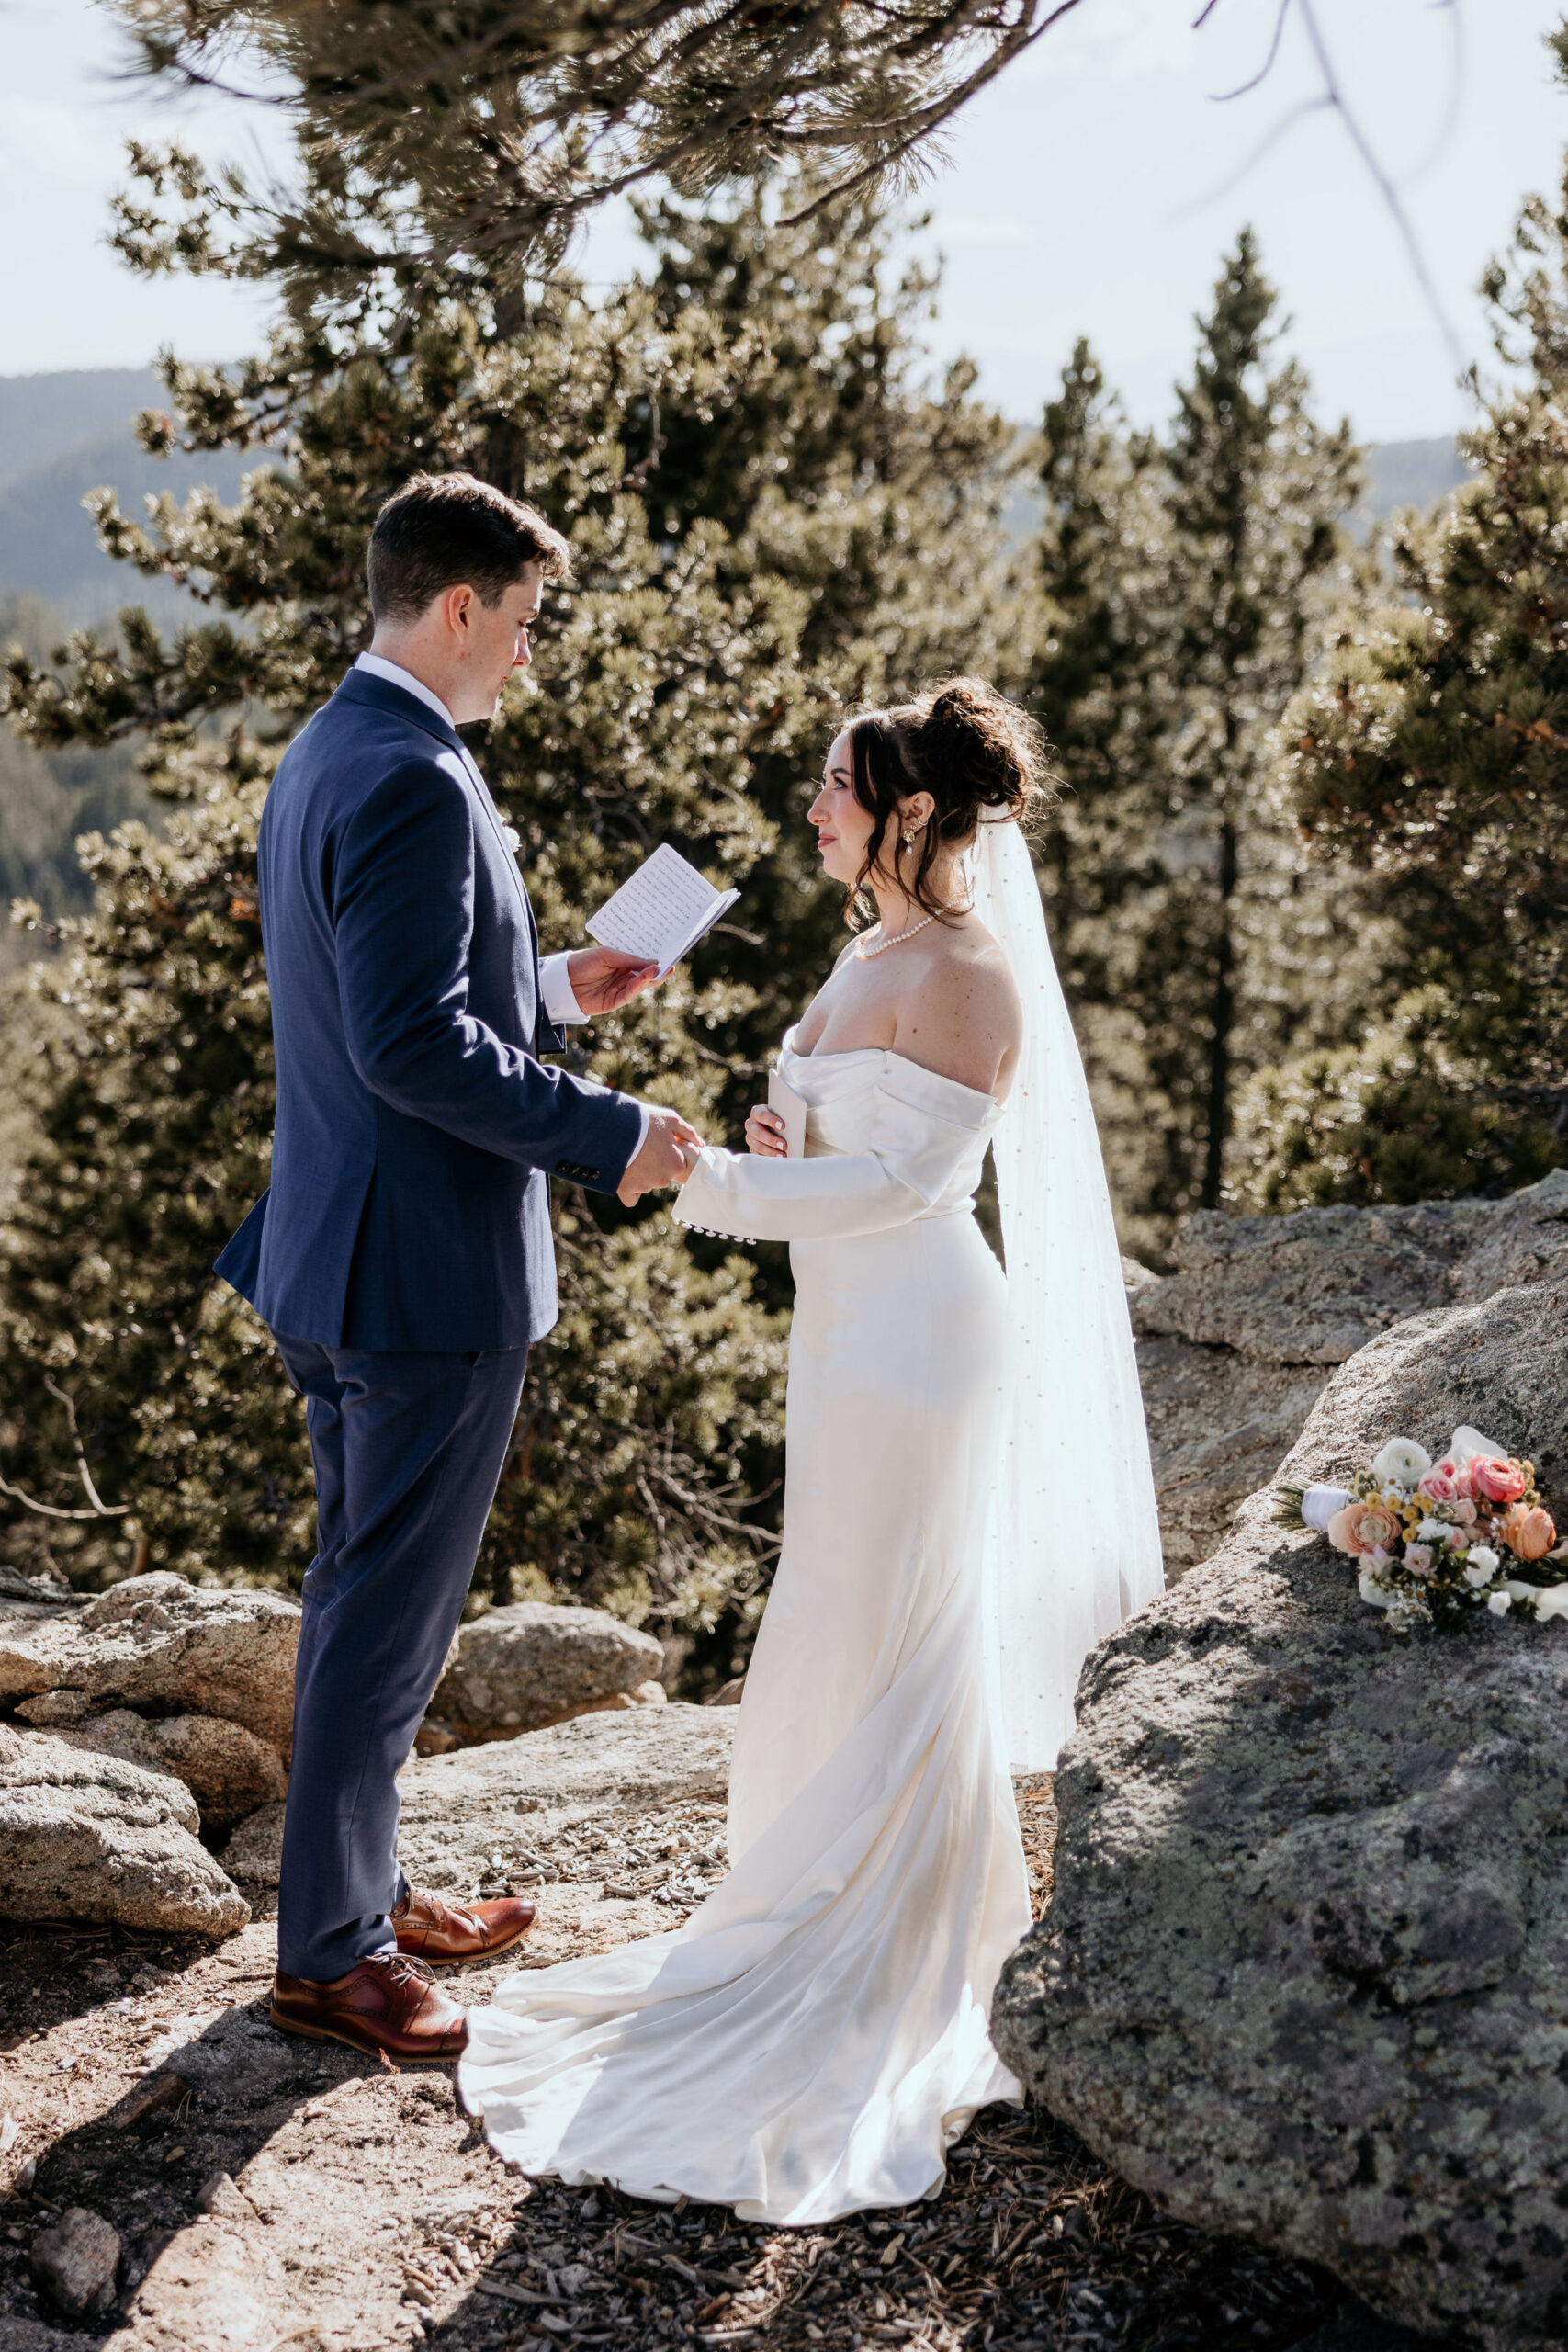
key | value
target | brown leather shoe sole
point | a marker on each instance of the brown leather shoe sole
(366, 2047)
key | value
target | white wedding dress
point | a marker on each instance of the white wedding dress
(815, 2036)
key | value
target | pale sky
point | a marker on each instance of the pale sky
(1092, 190)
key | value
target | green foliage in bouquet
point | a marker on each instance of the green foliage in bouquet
(758, 503)
(1431, 753)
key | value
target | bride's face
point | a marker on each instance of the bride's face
(844, 828)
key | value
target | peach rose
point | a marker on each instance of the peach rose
(1527, 1531)
(1438, 1487)
(1361, 1528)
(1491, 1480)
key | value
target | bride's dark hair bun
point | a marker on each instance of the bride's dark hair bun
(981, 758)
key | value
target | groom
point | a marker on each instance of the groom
(403, 1254)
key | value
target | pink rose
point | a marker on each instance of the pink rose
(1438, 1486)
(1492, 1479)
(1363, 1528)
(1380, 1530)
(1462, 1513)
(1527, 1531)
(1447, 1467)
(1418, 1558)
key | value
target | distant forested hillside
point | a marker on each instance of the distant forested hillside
(61, 435)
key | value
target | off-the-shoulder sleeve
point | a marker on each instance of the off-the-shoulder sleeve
(911, 1157)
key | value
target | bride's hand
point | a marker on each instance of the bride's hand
(765, 1133)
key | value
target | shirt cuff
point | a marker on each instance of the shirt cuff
(555, 988)
(642, 1130)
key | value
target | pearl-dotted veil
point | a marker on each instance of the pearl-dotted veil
(1072, 1543)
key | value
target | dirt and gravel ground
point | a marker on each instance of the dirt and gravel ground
(270, 2193)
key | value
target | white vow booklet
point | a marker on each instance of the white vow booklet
(663, 911)
(791, 1108)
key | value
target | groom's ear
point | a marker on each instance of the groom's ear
(456, 605)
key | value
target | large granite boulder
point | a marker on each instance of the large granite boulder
(227, 1768)
(87, 1835)
(516, 1670)
(1305, 1971)
(158, 1641)
(1235, 1347)
(480, 1817)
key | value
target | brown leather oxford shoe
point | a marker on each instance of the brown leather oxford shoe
(388, 2003)
(432, 1930)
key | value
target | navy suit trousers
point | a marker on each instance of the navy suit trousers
(408, 1451)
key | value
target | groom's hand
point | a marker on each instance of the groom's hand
(606, 978)
(667, 1151)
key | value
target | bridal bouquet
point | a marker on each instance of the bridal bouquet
(1434, 1541)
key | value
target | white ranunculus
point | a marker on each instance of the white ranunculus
(1402, 1463)
(1320, 1503)
(1482, 1556)
(1499, 1603)
(1434, 1531)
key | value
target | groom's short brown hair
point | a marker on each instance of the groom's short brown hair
(442, 531)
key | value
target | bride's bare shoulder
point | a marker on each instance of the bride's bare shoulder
(960, 1017)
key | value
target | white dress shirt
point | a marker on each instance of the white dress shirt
(555, 973)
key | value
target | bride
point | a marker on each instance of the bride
(968, 1506)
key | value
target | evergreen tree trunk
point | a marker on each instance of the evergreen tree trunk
(1221, 1022)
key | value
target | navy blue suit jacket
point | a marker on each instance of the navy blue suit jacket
(416, 1128)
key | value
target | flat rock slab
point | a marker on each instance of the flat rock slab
(516, 1670)
(87, 1835)
(488, 1813)
(159, 1640)
(1314, 1287)
(1304, 1972)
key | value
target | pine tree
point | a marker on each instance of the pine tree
(1185, 585)
(1099, 639)
(1432, 756)
(686, 689)
(448, 146)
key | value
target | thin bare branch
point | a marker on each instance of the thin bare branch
(100, 1509)
(1381, 179)
(1254, 156)
(1224, 97)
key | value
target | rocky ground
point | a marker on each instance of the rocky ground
(270, 2193)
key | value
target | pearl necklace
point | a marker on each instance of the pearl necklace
(863, 952)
